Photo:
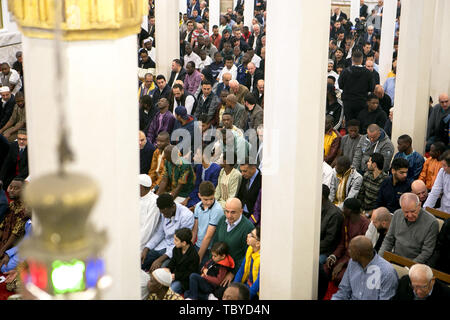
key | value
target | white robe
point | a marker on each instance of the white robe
(149, 217)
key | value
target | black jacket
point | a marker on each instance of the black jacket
(6, 110)
(145, 157)
(248, 197)
(182, 265)
(8, 171)
(356, 83)
(257, 76)
(441, 256)
(367, 118)
(404, 292)
(330, 227)
(158, 94)
(180, 76)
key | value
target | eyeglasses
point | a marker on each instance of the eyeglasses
(424, 287)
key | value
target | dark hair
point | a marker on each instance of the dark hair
(325, 191)
(372, 96)
(446, 157)
(244, 291)
(258, 233)
(221, 248)
(227, 113)
(203, 118)
(353, 123)
(177, 61)
(353, 204)
(206, 82)
(332, 77)
(234, 157)
(357, 55)
(146, 100)
(405, 138)
(160, 76)
(184, 234)
(141, 51)
(378, 158)
(228, 58)
(344, 161)
(191, 63)
(165, 201)
(439, 146)
(177, 86)
(399, 163)
(206, 189)
(367, 43)
(250, 98)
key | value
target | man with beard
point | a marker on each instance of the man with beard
(182, 98)
(164, 121)
(16, 162)
(379, 226)
(17, 119)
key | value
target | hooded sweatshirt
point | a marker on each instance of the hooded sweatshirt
(218, 270)
(366, 148)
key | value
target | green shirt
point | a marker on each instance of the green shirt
(180, 173)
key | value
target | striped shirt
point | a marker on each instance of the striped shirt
(377, 281)
(369, 189)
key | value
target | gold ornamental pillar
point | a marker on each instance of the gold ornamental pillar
(97, 82)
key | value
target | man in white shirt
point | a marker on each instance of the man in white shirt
(10, 78)
(149, 213)
(191, 56)
(230, 67)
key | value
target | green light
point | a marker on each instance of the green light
(68, 276)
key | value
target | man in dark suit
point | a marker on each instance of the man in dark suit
(420, 284)
(187, 35)
(252, 77)
(363, 9)
(250, 187)
(338, 15)
(163, 90)
(146, 151)
(255, 39)
(7, 104)
(16, 162)
(178, 72)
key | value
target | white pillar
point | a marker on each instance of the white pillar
(214, 14)
(412, 87)
(249, 12)
(102, 119)
(183, 6)
(387, 38)
(291, 196)
(167, 35)
(440, 65)
(354, 10)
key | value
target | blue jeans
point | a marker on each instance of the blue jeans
(323, 258)
(206, 256)
(177, 287)
(199, 288)
(151, 256)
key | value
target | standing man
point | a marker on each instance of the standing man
(250, 186)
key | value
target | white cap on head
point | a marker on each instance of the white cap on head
(145, 180)
(4, 89)
(162, 276)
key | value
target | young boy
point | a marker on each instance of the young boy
(207, 214)
(184, 260)
(349, 141)
(212, 274)
(432, 165)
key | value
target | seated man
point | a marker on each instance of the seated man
(350, 140)
(345, 182)
(157, 166)
(368, 276)
(371, 114)
(145, 153)
(441, 256)
(149, 212)
(236, 291)
(419, 188)
(413, 231)
(159, 286)
(441, 186)
(17, 119)
(159, 248)
(372, 180)
(394, 186)
(420, 284)
(432, 165)
(332, 141)
(379, 225)
(178, 176)
(354, 225)
(414, 158)
(163, 121)
(16, 161)
(330, 226)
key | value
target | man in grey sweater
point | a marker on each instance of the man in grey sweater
(413, 231)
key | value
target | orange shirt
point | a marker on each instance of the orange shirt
(430, 171)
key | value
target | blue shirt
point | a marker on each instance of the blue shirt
(206, 218)
(163, 236)
(250, 185)
(389, 88)
(415, 161)
(378, 281)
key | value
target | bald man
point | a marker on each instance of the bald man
(252, 77)
(237, 110)
(145, 153)
(419, 188)
(420, 284)
(238, 90)
(233, 229)
(368, 276)
(379, 226)
(438, 112)
(413, 231)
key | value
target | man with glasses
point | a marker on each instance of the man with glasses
(420, 284)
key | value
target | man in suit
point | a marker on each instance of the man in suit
(259, 93)
(420, 284)
(163, 90)
(16, 162)
(250, 187)
(178, 72)
(255, 38)
(338, 15)
(363, 9)
(252, 77)
(187, 35)
(7, 104)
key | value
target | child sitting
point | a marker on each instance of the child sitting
(212, 274)
(184, 262)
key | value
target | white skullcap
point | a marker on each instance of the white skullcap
(4, 89)
(145, 180)
(146, 40)
(150, 38)
(163, 276)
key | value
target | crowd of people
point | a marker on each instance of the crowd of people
(201, 166)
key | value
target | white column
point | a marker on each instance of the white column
(354, 10)
(183, 6)
(249, 12)
(412, 88)
(167, 35)
(214, 14)
(440, 65)
(291, 196)
(387, 38)
(102, 133)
